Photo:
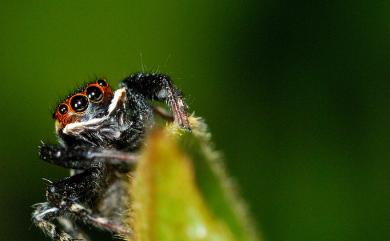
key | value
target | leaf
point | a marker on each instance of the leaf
(180, 191)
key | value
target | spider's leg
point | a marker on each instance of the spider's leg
(65, 157)
(42, 217)
(84, 158)
(86, 215)
(72, 229)
(159, 87)
(69, 195)
(60, 195)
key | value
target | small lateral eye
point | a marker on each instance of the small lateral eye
(94, 93)
(102, 82)
(63, 109)
(79, 103)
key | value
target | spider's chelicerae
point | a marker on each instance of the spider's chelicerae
(100, 132)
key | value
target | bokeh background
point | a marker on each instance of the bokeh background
(296, 94)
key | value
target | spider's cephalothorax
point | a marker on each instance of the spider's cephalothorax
(100, 132)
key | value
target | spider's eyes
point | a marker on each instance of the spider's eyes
(94, 93)
(63, 109)
(102, 82)
(72, 108)
(79, 103)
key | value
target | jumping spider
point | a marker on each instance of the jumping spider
(99, 133)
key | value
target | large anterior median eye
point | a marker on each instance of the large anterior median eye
(79, 103)
(94, 93)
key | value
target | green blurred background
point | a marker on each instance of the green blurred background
(296, 94)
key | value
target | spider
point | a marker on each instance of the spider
(99, 133)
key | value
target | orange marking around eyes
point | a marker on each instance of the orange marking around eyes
(72, 116)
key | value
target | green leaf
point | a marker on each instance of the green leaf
(180, 191)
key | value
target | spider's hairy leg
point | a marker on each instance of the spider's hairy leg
(42, 216)
(159, 87)
(60, 196)
(86, 157)
(86, 215)
(72, 229)
(67, 198)
(70, 194)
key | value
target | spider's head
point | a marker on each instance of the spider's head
(87, 103)
(91, 114)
